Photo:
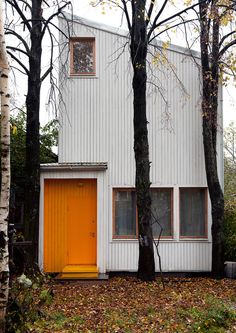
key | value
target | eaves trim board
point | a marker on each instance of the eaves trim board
(101, 166)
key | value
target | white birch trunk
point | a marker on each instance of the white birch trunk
(5, 173)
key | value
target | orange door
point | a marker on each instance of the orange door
(70, 227)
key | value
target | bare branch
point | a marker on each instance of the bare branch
(126, 14)
(48, 71)
(149, 12)
(60, 9)
(171, 27)
(19, 62)
(14, 4)
(13, 33)
(178, 14)
(226, 36)
(226, 47)
(16, 49)
(156, 18)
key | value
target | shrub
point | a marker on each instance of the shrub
(230, 235)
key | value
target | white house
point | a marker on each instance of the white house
(88, 220)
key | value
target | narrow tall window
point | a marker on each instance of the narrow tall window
(125, 213)
(82, 50)
(161, 211)
(193, 212)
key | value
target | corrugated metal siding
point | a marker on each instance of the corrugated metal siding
(97, 126)
(175, 256)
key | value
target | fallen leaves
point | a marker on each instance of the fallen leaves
(129, 305)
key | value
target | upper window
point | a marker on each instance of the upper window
(125, 215)
(82, 52)
(193, 212)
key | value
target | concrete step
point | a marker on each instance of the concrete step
(79, 272)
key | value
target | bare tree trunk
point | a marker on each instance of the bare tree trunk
(32, 131)
(146, 264)
(210, 78)
(5, 174)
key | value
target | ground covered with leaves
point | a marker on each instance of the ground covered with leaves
(125, 304)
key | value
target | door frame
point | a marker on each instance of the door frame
(102, 207)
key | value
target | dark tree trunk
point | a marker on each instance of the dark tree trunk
(210, 77)
(32, 131)
(146, 265)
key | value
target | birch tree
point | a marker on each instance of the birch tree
(31, 23)
(5, 174)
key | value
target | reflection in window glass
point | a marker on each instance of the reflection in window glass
(125, 213)
(192, 212)
(161, 211)
(83, 56)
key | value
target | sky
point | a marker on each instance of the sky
(112, 17)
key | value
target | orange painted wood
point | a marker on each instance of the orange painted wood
(70, 223)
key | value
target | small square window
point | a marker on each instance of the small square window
(82, 56)
(193, 212)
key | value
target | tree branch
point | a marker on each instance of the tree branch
(13, 4)
(19, 62)
(48, 71)
(226, 47)
(173, 26)
(149, 12)
(17, 50)
(126, 14)
(226, 36)
(13, 33)
(178, 14)
(156, 18)
(51, 17)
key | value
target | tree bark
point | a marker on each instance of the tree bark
(5, 175)
(146, 264)
(32, 131)
(210, 79)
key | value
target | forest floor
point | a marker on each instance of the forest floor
(125, 304)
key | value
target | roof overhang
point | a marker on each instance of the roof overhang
(100, 166)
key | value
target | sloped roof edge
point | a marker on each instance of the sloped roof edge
(124, 33)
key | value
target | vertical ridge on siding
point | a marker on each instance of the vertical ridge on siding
(99, 128)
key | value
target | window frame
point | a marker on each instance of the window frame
(114, 236)
(194, 189)
(171, 211)
(135, 237)
(77, 39)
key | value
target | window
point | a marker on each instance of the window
(125, 215)
(193, 212)
(161, 211)
(82, 59)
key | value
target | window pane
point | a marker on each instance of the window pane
(161, 211)
(192, 212)
(125, 213)
(83, 56)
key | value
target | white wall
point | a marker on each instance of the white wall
(96, 126)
